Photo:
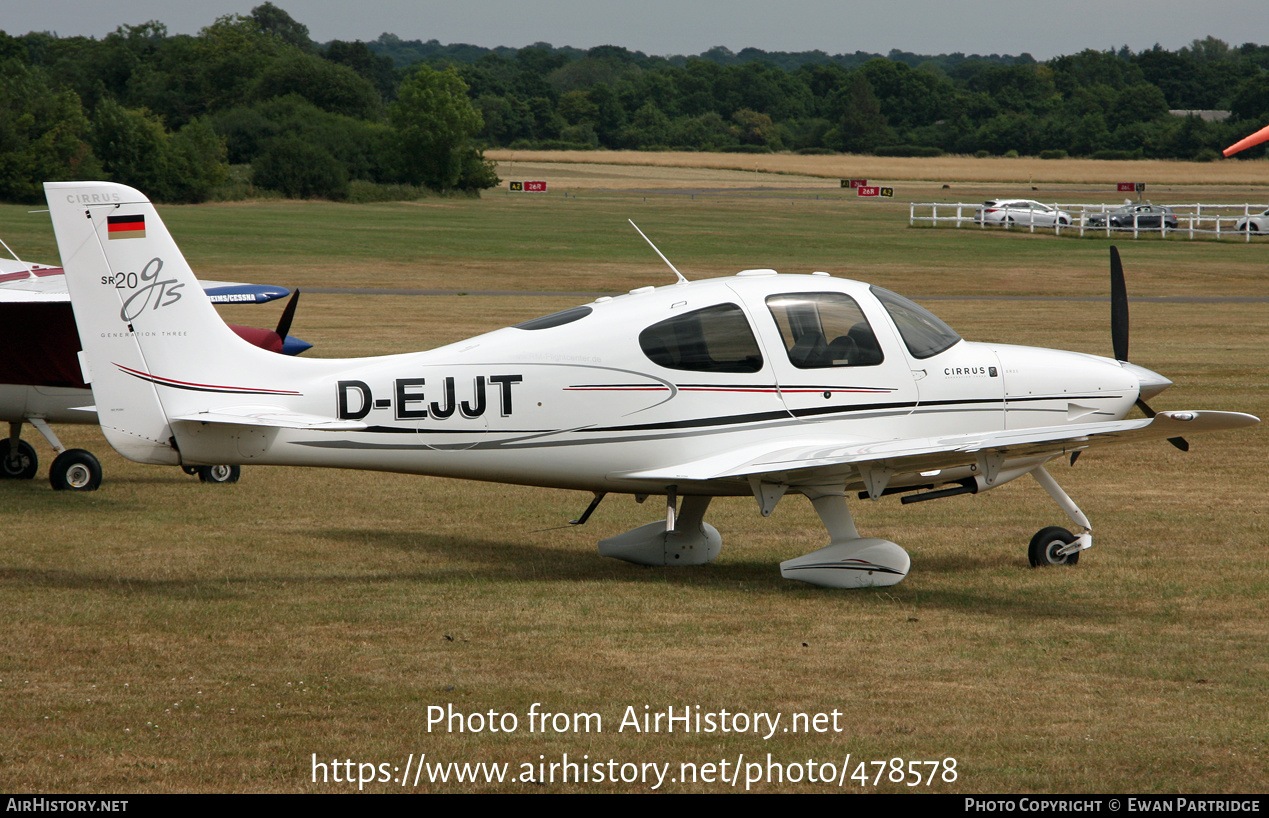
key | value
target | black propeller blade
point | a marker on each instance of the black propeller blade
(288, 315)
(1119, 331)
(1118, 306)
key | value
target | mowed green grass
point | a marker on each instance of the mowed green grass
(162, 635)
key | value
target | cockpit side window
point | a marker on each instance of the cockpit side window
(924, 333)
(714, 339)
(823, 330)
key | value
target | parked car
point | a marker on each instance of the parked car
(1020, 212)
(1146, 216)
(1258, 223)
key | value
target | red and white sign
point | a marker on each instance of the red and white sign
(1126, 187)
(856, 182)
(527, 187)
(869, 191)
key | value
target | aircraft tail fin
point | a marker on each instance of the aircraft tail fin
(154, 346)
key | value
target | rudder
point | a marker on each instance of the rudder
(143, 319)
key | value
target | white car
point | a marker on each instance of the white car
(1020, 212)
(1256, 224)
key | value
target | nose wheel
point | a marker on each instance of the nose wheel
(1054, 545)
(1047, 545)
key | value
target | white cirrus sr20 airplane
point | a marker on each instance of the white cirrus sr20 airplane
(758, 384)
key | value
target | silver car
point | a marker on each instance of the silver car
(1022, 212)
(1258, 223)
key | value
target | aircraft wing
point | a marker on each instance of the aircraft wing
(21, 282)
(818, 463)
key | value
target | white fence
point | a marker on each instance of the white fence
(1193, 220)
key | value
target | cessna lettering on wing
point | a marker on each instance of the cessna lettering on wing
(414, 399)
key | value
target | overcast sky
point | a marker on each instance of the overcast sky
(665, 27)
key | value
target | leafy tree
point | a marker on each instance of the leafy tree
(329, 86)
(576, 107)
(132, 146)
(860, 123)
(909, 98)
(196, 156)
(434, 123)
(612, 116)
(1208, 49)
(709, 131)
(1252, 100)
(224, 61)
(648, 127)
(275, 22)
(1137, 103)
(1178, 77)
(753, 128)
(300, 170)
(362, 147)
(1094, 67)
(43, 134)
(373, 67)
(136, 150)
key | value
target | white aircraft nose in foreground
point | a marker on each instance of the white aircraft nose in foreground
(755, 384)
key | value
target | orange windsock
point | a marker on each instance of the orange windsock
(1250, 142)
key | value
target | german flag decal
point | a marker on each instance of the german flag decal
(125, 227)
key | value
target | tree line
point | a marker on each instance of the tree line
(1102, 104)
(251, 102)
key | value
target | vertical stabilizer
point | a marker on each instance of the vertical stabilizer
(154, 345)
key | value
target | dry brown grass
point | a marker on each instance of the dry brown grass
(690, 169)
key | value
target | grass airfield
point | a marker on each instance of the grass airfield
(166, 636)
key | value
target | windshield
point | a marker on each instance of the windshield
(924, 333)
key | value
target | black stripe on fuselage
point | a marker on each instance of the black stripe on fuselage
(713, 424)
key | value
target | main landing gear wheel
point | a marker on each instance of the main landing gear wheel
(75, 470)
(219, 474)
(1046, 544)
(19, 465)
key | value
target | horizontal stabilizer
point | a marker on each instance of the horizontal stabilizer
(271, 417)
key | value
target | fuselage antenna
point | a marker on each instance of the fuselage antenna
(682, 280)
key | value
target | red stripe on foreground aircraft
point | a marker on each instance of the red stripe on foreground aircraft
(757, 384)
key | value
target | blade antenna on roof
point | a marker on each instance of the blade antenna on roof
(682, 280)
